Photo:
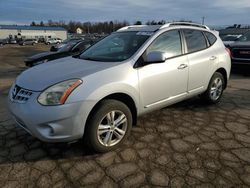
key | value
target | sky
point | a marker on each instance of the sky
(216, 12)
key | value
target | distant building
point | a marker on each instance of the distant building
(37, 32)
(79, 30)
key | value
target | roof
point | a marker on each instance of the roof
(153, 28)
(26, 27)
(146, 28)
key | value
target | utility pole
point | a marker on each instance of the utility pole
(203, 20)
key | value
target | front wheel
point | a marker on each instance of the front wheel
(215, 89)
(109, 126)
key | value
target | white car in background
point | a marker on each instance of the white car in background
(53, 41)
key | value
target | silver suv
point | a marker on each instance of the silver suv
(99, 94)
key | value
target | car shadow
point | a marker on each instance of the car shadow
(241, 71)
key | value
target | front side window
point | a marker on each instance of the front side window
(169, 43)
(116, 47)
(195, 40)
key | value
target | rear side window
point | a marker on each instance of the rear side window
(195, 40)
(211, 38)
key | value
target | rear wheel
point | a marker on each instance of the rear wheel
(215, 89)
(109, 126)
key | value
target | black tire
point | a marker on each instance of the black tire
(33, 44)
(207, 96)
(91, 137)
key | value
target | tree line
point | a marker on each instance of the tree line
(94, 27)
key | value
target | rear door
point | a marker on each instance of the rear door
(200, 59)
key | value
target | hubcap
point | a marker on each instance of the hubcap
(216, 89)
(112, 128)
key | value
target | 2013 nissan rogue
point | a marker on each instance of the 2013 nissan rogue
(137, 69)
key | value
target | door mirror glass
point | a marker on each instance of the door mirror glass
(155, 57)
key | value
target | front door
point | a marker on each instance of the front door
(164, 83)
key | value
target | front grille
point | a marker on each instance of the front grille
(242, 53)
(20, 95)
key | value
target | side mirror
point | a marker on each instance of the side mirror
(155, 57)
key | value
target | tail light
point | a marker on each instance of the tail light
(229, 52)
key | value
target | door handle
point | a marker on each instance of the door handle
(212, 58)
(183, 66)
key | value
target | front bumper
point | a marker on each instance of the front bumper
(62, 123)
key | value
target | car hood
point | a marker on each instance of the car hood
(39, 56)
(240, 44)
(44, 75)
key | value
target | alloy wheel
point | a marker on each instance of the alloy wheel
(216, 89)
(112, 128)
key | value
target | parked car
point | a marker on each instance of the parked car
(99, 94)
(12, 41)
(3, 42)
(69, 49)
(240, 51)
(53, 41)
(28, 42)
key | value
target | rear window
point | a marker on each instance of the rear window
(211, 38)
(195, 40)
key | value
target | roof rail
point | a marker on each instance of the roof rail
(185, 24)
(131, 27)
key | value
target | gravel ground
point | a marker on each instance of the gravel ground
(190, 144)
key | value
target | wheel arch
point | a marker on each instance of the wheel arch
(224, 74)
(122, 97)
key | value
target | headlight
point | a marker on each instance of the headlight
(58, 94)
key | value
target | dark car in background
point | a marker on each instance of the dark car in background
(12, 41)
(56, 47)
(240, 50)
(28, 42)
(229, 39)
(3, 42)
(69, 49)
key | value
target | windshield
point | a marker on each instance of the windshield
(71, 40)
(116, 47)
(67, 47)
(230, 38)
(244, 38)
